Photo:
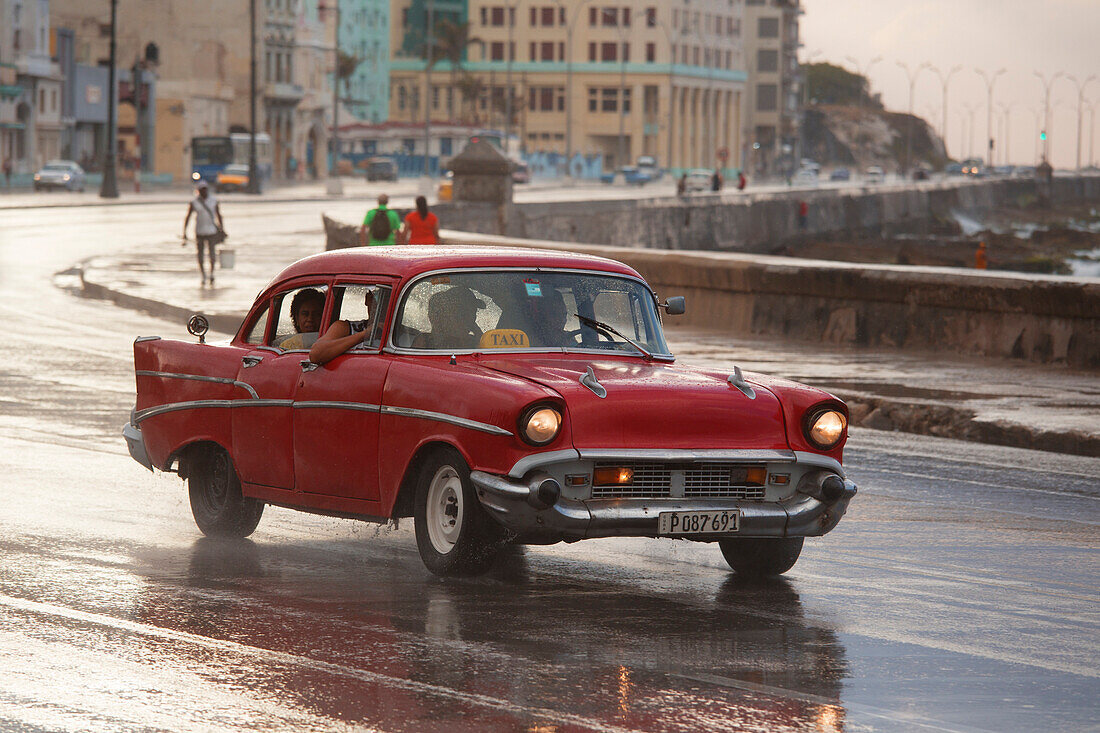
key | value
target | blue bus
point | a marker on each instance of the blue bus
(211, 154)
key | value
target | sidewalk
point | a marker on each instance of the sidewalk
(999, 402)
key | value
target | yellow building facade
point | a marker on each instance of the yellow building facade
(636, 78)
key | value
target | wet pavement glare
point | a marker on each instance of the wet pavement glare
(960, 592)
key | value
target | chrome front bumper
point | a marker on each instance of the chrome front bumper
(530, 507)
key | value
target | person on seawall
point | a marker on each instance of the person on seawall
(421, 226)
(380, 225)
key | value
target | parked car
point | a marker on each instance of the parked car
(699, 179)
(840, 174)
(874, 174)
(521, 173)
(807, 175)
(627, 174)
(501, 395)
(953, 169)
(648, 164)
(973, 167)
(233, 178)
(381, 169)
(59, 174)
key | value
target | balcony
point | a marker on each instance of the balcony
(281, 91)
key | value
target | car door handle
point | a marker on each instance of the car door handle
(251, 361)
(309, 366)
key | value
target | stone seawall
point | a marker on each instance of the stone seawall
(1032, 317)
(747, 222)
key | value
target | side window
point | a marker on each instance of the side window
(259, 328)
(364, 307)
(298, 320)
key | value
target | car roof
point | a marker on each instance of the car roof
(405, 261)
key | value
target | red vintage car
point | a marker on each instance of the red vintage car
(496, 395)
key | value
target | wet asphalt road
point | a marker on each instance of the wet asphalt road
(960, 593)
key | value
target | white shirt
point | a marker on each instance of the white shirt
(204, 215)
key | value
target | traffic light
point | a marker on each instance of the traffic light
(1043, 135)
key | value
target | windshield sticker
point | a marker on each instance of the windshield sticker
(534, 289)
(440, 280)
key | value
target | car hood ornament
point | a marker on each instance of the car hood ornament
(738, 380)
(589, 380)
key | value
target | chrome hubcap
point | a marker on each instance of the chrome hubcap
(444, 509)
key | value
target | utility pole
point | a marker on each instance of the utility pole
(429, 50)
(108, 189)
(990, 80)
(253, 172)
(945, 79)
(1044, 135)
(510, 19)
(1081, 85)
(913, 75)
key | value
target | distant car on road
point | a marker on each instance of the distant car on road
(499, 396)
(699, 179)
(381, 169)
(921, 174)
(648, 164)
(521, 173)
(840, 174)
(807, 174)
(59, 174)
(953, 169)
(233, 178)
(874, 174)
(627, 174)
(973, 167)
(1024, 171)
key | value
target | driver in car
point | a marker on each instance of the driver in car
(452, 314)
(305, 313)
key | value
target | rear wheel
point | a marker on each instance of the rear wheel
(761, 556)
(219, 508)
(453, 533)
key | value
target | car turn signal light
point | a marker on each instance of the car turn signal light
(756, 475)
(613, 476)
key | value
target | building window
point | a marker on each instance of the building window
(446, 145)
(548, 17)
(650, 52)
(547, 51)
(496, 51)
(609, 52)
(766, 97)
(592, 15)
(609, 99)
(610, 17)
(402, 98)
(408, 144)
(496, 17)
(651, 17)
(767, 60)
(767, 27)
(534, 17)
(626, 53)
(591, 51)
(626, 17)
(561, 51)
(533, 51)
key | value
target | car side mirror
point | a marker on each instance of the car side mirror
(675, 306)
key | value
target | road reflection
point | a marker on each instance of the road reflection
(378, 641)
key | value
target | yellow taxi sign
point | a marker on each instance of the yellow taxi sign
(504, 338)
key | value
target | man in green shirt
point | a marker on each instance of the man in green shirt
(380, 224)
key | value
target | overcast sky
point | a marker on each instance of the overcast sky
(1020, 36)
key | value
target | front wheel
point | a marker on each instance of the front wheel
(761, 556)
(219, 508)
(453, 533)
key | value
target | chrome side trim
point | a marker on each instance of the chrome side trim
(715, 455)
(140, 339)
(199, 378)
(142, 415)
(525, 464)
(332, 405)
(442, 417)
(816, 459)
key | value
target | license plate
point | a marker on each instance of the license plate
(714, 522)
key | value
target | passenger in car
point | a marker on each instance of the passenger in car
(548, 318)
(344, 335)
(453, 317)
(305, 313)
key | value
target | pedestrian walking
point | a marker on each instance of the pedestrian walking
(421, 226)
(7, 172)
(716, 181)
(209, 227)
(380, 225)
(980, 260)
(741, 181)
(803, 214)
(682, 185)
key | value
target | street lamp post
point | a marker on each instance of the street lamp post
(108, 189)
(1081, 85)
(511, 11)
(1047, 82)
(990, 80)
(1006, 116)
(970, 108)
(913, 75)
(570, 25)
(429, 50)
(861, 72)
(945, 79)
(253, 177)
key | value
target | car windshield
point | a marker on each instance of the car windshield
(521, 309)
(237, 170)
(58, 167)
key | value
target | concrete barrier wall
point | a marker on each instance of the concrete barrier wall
(1037, 318)
(747, 222)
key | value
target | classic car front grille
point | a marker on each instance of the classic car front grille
(675, 480)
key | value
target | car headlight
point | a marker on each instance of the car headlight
(66, 177)
(540, 424)
(195, 176)
(38, 176)
(825, 428)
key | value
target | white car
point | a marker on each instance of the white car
(699, 179)
(874, 174)
(59, 174)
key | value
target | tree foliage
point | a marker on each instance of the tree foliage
(830, 84)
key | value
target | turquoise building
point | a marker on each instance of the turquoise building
(365, 34)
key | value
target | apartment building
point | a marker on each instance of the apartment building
(30, 86)
(639, 77)
(773, 121)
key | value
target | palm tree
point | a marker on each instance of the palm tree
(471, 88)
(451, 41)
(346, 64)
